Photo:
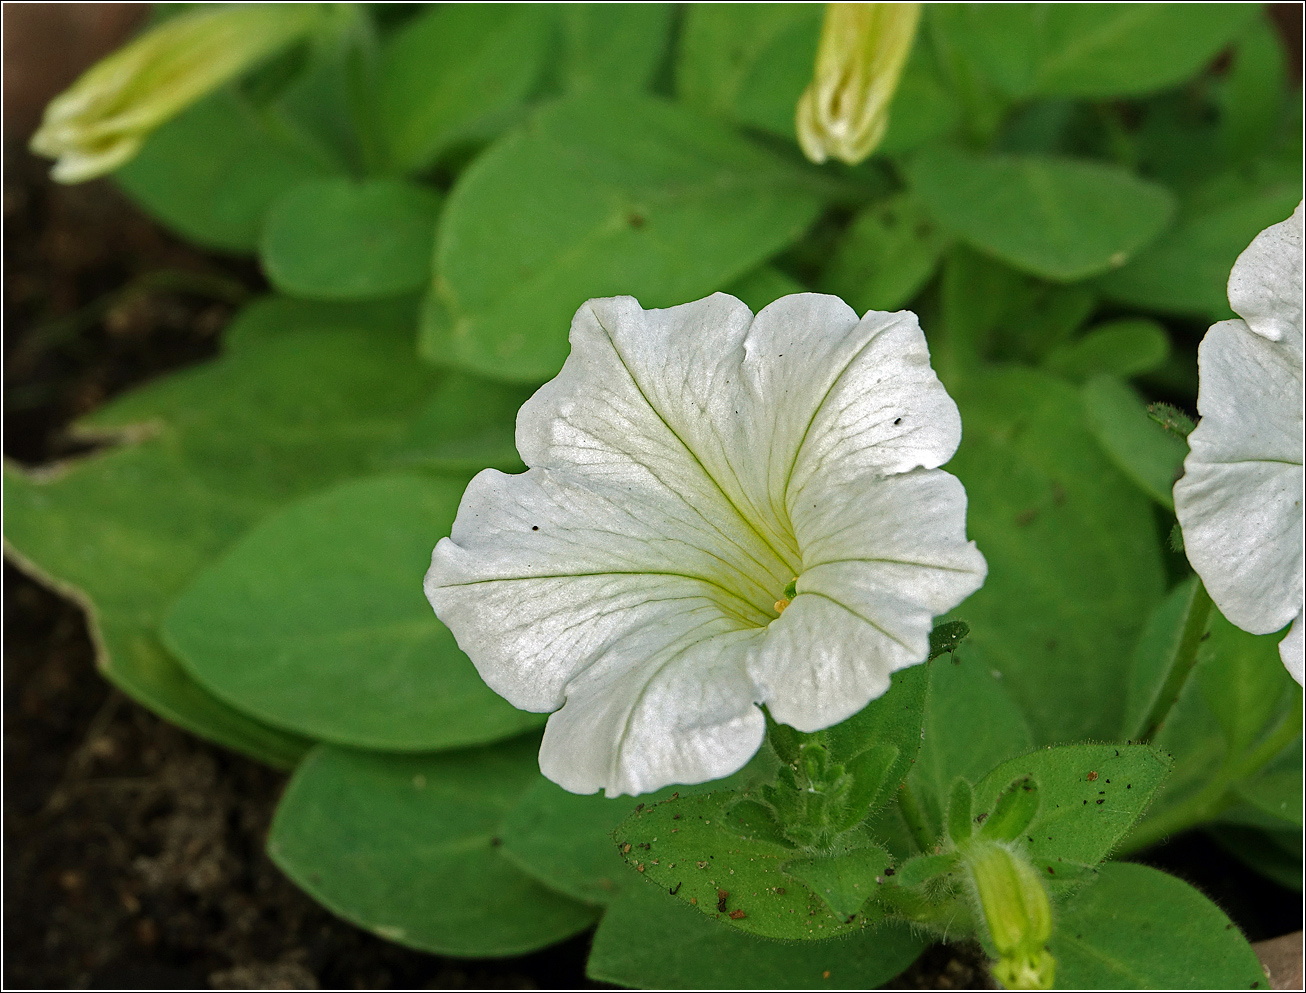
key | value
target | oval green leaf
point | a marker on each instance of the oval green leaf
(338, 240)
(1063, 219)
(407, 847)
(650, 940)
(1136, 928)
(315, 622)
(599, 195)
(212, 173)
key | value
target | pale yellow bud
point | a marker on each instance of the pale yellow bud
(101, 121)
(844, 111)
(1018, 914)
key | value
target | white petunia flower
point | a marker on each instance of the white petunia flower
(1239, 501)
(686, 466)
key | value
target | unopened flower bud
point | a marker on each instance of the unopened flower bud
(1019, 917)
(101, 121)
(844, 111)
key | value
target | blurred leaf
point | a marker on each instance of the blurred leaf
(1140, 448)
(598, 196)
(1074, 557)
(407, 848)
(339, 240)
(748, 62)
(1158, 648)
(271, 316)
(206, 453)
(887, 255)
(1276, 790)
(1254, 91)
(764, 285)
(1123, 348)
(612, 47)
(1096, 49)
(650, 940)
(469, 425)
(1238, 713)
(955, 743)
(1063, 219)
(1187, 269)
(1123, 930)
(315, 622)
(1274, 854)
(458, 73)
(212, 173)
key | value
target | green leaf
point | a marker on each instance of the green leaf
(612, 48)
(1125, 347)
(335, 239)
(748, 62)
(599, 195)
(650, 940)
(1139, 447)
(1063, 219)
(886, 257)
(1276, 790)
(846, 881)
(1158, 647)
(960, 825)
(1137, 928)
(272, 316)
(956, 745)
(407, 848)
(207, 452)
(702, 846)
(1187, 269)
(1253, 95)
(315, 622)
(1013, 812)
(1073, 553)
(470, 424)
(763, 286)
(212, 173)
(458, 73)
(1089, 796)
(1097, 49)
(564, 840)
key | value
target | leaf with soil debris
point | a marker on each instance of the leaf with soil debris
(716, 858)
(693, 952)
(408, 848)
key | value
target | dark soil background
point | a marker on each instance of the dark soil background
(133, 852)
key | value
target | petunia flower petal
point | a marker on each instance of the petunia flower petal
(1239, 501)
(1265, 286)
(684, 467)
(873, 580)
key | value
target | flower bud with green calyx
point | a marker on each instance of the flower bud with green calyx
(1015, 907)
(844, 111)
(102, 120)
